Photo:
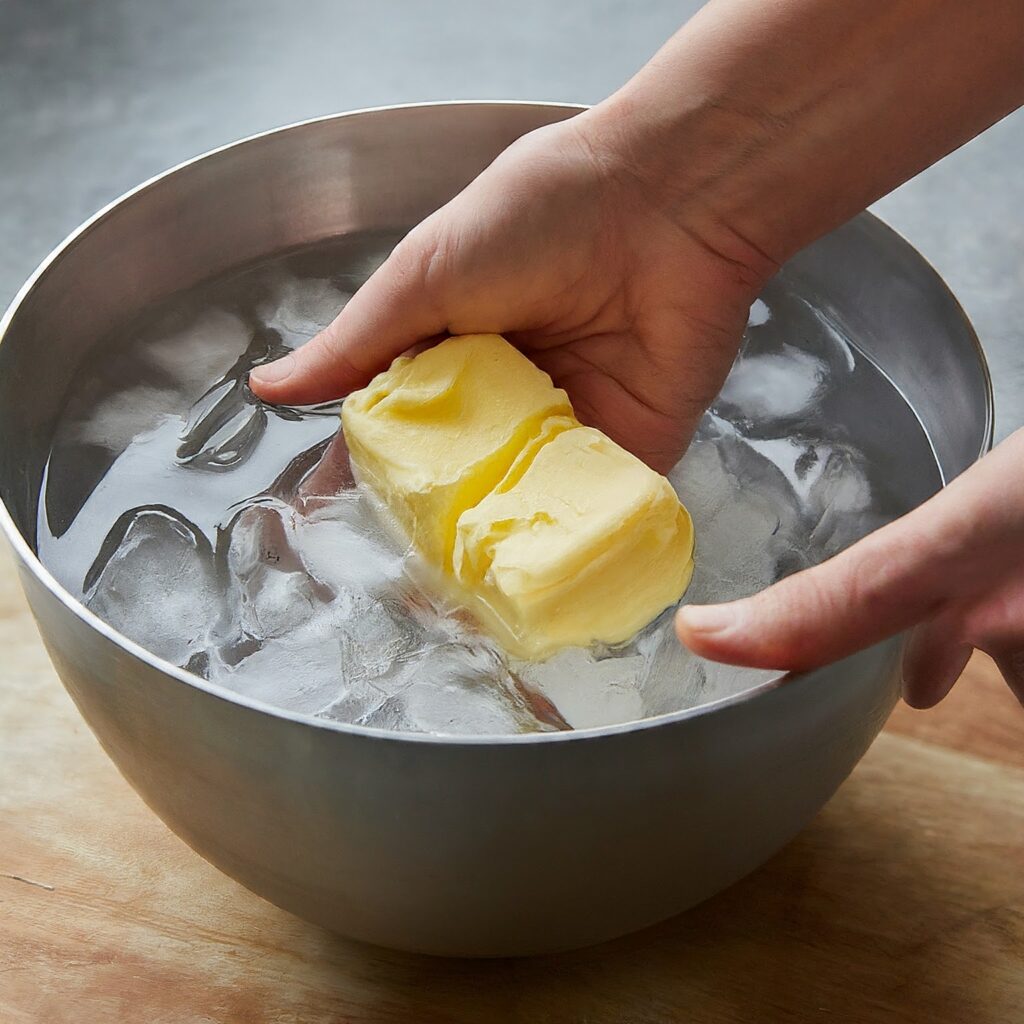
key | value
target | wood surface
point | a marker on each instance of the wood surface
(903, 901)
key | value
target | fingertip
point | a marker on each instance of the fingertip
(694, 629)
(933, 661)
(917, 701)
(263, 380)
(318, 371)
(714, 631)
(754, 632)
(707, 619)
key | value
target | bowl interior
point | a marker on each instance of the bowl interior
(384, 170)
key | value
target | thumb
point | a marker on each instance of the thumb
(392, 311)
(881, 586)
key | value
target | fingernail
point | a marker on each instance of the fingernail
(708, 618)
(274, 373)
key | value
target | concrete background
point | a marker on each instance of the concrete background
(96, 95)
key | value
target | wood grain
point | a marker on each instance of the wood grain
(903, 902)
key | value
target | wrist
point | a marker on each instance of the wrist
(760, 127)
(700, 166)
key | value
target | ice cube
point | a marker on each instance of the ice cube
(118, 418)
(268, 583)
(772, 389)
(190, 358)
(588, 690)
(674, 678)
(839, 504)
(745, 513)
(330, 476)
(760, 313)
(299, 308)
(727, 680)
(377, 640)
(389, 713)
(359, 702)
(800, 461)
(302, 675)
(154, 581)
(456, 689)
(337, 548)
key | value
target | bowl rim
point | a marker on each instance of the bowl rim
(31, 563)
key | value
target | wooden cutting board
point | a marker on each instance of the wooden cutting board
(903, 901)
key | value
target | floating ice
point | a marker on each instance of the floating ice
(258, 563)
(269, 585)
(759, 313)
(590, 691)
(453, 688)
(192, 357)
(298, 308)
(773, 387)
(176, 366)
(297, 675)
(157, 585)
(342, 546)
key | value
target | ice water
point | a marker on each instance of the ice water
(229, 538)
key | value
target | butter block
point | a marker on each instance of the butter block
(434, 434)
(548, 532)
(588, 544)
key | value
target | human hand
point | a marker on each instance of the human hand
(566, 251)
(621, 250)
(953, 570)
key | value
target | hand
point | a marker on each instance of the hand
(953, 569)
(564, 250)
(621, 251)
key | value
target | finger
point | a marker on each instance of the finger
(877, 588)
(1011, 666)
(391, 312)
(933, 661)
(950, 548)
(994, 623)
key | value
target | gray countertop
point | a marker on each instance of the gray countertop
(96, 95)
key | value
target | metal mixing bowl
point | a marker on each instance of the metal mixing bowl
(481, 846)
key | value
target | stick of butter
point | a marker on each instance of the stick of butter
(547, 531)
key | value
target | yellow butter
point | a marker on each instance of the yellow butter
(433, 434)
(548, 531)
(589, 544)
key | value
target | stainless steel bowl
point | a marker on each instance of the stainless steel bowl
(483, 846)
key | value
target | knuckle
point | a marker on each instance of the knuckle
(424, 258)
(865, 581)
